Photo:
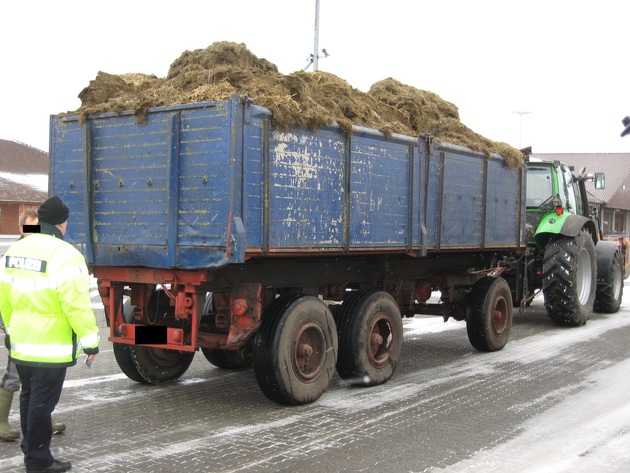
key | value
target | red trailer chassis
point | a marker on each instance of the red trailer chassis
(238, 312)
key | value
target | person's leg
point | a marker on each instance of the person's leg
(45, 390)
(11, 379)
(8, 386)
(11, 382)
(25, 399)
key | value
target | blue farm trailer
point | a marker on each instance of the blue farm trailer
(298, 251)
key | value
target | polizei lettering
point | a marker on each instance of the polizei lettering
(28, 264)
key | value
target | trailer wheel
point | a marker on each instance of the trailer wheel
(122, 353)
(159, 365)
(489, 318)
(229, 359)
(610, 274)
(370, 338)
(569, 279)
(295, 349)
(226, 359)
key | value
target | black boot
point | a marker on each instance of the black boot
(57, 466)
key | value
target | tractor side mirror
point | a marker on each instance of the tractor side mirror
(600, 180)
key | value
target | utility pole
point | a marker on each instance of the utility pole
(520, 128)
(316, 48)
(313, 59)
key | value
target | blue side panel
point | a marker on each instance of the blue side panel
(502, 204)
(198, 185)
(254, 177)
(159, 194)
(417, 197)
(433, 191)
(68, 177)
(203, 177)
(462, 200)
(129, 178)
(379, 184)
(306, 189)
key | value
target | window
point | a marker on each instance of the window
(620, 223)
(567, 194)
(539, 185)
(607, 223)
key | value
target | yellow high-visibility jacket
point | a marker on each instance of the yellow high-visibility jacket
(45, 302)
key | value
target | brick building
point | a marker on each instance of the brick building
(23, 182)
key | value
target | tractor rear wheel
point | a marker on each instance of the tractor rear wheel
(610, 274)
(570, 279)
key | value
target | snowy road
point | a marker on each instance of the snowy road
(554, 400)
(587, 432)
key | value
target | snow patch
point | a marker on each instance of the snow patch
(36, 181)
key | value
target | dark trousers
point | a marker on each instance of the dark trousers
(41, 390)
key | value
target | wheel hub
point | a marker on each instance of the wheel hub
(308, 352)
(583, 277)
(380, 338)
(500, 316)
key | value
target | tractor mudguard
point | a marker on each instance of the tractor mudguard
(568, 225)
(605, 251)
(553, 223)
(574, 225)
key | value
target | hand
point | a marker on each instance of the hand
(89, 359)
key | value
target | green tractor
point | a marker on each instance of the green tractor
(567, 259)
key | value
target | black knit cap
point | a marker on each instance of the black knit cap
(53, 211)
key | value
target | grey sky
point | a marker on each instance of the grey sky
(564, 61)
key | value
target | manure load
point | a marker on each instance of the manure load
(300, 99)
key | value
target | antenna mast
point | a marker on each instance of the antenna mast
(313, 59)
(520, 127)
(316, 47)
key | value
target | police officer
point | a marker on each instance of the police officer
(45, 304)
(10, 382)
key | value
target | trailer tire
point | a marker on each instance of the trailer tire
(295, 349)
(489, 314)
(569, 279)
(152, 365)
(229, 359)
(610, 276)
(160, 365)
(370, 338)
(122, 353)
